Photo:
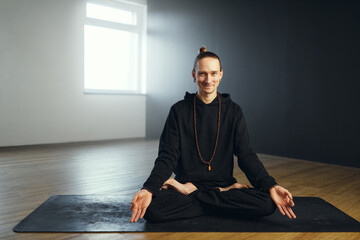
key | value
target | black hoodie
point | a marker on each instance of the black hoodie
(178, 152)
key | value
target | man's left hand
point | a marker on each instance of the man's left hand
(283, 200)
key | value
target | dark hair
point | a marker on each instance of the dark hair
(203, 53)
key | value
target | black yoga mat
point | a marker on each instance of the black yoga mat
(97, 213)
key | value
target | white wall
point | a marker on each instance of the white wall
(41, 80)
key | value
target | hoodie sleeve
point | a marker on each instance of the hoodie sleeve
(248, 161)
(168, 155)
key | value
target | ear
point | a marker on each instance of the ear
(193, 75)
(221, 74)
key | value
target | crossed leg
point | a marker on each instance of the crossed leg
(179, 201)
(169, 204)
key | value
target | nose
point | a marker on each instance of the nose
(207, 78)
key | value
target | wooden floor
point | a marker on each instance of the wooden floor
(29, 175)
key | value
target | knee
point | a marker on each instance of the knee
(267, 208)
(154, 215)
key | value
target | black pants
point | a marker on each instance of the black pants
(171, 205)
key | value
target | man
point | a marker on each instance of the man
(200, 137)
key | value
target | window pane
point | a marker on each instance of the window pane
(110, 59)
(110, 14)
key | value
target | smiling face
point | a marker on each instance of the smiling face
(207, 75)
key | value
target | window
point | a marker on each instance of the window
(114, 47)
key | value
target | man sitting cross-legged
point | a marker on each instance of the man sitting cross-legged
(202, 133)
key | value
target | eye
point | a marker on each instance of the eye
(214, 73)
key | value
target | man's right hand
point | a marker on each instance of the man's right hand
(139, 204)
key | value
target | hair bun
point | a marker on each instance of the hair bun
(202, 49)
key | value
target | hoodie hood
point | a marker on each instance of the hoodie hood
(225, 97)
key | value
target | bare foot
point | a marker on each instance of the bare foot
(185, 189)
(235, 185)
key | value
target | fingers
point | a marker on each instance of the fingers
(143, 211)
(290, 200)
(290, 196)
(138, 212)
(284, 201)
(291, 203)
(286, 210)
(139, 205)
(134, 200)
(132, 219)
(135, 216)
(134, 208)
(292, 214)
(280, 209)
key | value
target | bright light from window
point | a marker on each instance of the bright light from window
(114, 47)
(110, 55)
(110, 14)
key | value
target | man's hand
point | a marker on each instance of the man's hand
(283, 200)
(139, 204)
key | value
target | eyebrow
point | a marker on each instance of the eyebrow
(210, 71)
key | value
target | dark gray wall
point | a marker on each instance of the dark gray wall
(293, 66)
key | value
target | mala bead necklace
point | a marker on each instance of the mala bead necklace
(217, 134)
